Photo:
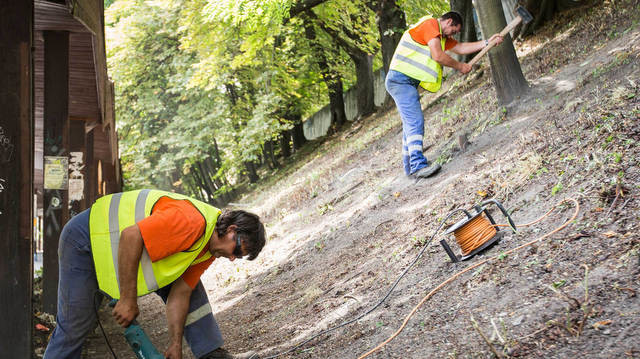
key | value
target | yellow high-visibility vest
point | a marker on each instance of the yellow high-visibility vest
(414, 59)
(115, 212)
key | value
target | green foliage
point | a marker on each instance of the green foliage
(202, 85)
(560, 283)
(415, 9)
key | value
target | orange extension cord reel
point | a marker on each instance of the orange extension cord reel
(477, 232)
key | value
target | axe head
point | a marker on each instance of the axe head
(524, 14)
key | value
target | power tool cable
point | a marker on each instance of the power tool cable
(95, 309)
(393, 286)
(453, 277)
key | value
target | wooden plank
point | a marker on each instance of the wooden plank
(52, 16)
(56, 144)
(16, 176)
(91, 179)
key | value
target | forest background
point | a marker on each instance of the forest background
(211, 95)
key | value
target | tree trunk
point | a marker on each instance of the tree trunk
(331, 78)
(213, 170)
(363, 63)
(268, 148)
(298, 135)
(391, 25)
(391, 22)
(336, 101)
(364, 82)
(206, 178)
(252, 173)
(193, 188)
(199, 175)
(505, 67)
(542, 10)
(468, 33)
(217, 153)
(285, 147)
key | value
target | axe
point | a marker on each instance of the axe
(522, 16)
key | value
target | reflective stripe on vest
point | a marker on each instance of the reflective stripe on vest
(113, 213)
(414, 60)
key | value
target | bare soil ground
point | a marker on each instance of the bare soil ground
(346, 222)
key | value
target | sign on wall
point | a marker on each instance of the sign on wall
(76, 178)
(56, 172)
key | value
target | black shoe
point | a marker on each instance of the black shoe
(222, 353)
(427, 171)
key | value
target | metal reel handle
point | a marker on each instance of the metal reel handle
(503, 210)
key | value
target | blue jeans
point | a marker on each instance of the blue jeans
(77, 289)
(404, 91)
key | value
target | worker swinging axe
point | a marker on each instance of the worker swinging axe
(522, 16)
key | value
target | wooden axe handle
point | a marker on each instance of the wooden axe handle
(491, 44)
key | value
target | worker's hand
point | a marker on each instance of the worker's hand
(125, 311)
(174, 351)
(464, 68)
(496, 38)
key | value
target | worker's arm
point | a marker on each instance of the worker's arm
(443, 59)
(177, 308)
(129, 252)
(463, 48)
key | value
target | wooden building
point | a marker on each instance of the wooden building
(58, 144)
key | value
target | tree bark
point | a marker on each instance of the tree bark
(199, 176)
(297, 133)
(206, 178)
(252, 173)
(391, 23)
(217, 153)
(285, 147)
(542, 10)
(505, 67)
(303, 6)
(332, 79)
(268, 148)
(336, 100)
(363, 63)
(212, 171)
(468, 33)
(364, 82)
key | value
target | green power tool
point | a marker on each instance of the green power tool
(138, 340)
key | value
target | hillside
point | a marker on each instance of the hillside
(344, 221)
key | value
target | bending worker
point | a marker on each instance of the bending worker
(133, 243)
(418, 60)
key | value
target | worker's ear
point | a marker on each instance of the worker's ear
(232, 227)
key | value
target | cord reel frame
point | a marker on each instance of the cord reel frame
(479, 211)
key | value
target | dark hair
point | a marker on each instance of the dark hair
(456, 18)
(250, 230)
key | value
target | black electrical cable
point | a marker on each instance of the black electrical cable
(393, 286)
(95, 309)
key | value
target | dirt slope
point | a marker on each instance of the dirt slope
(343, 226)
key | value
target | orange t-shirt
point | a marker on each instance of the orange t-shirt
(174, 226)
(426, 31)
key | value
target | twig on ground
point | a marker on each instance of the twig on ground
(495, 328)
(381, 223)
(475, 326)
(532, 334)
(625, 203)
(573, 302)
(630, 290)
(615, 200)
(586, 309)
